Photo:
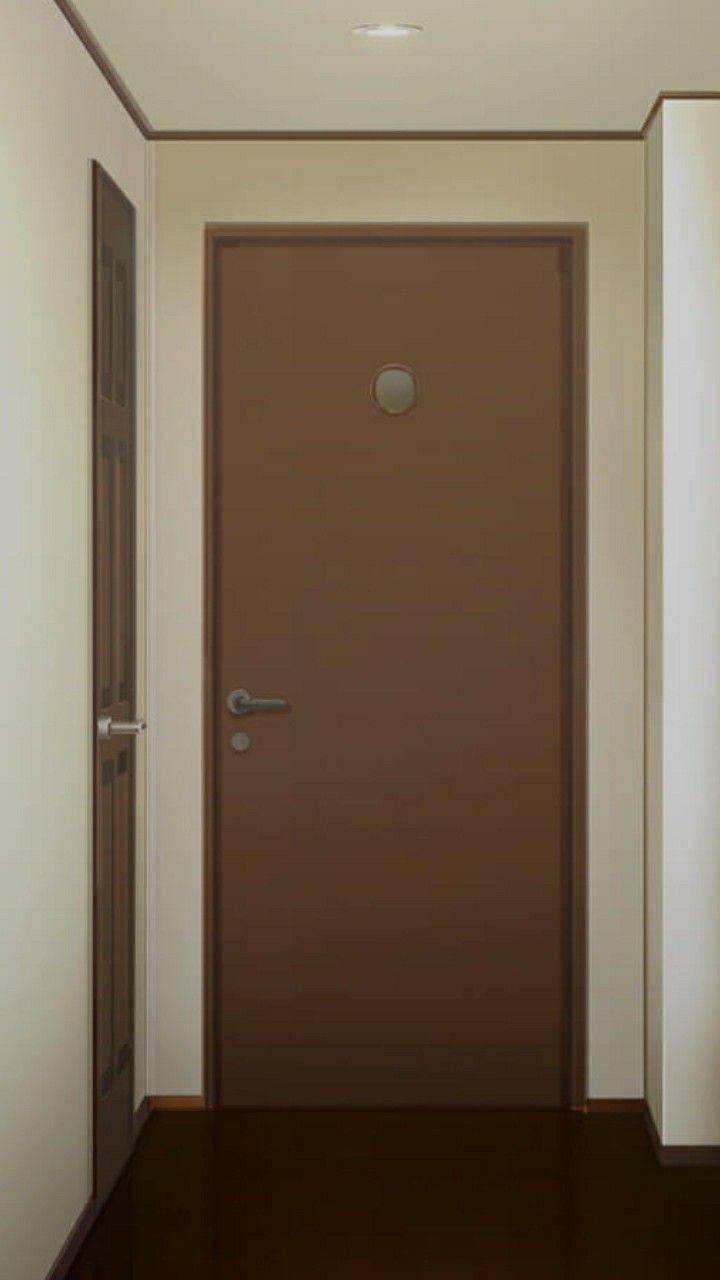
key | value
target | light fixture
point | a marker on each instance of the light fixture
(387, 30)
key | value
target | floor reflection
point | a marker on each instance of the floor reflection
(403, 1196)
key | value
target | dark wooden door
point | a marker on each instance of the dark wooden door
(114, 672)
(392, 878)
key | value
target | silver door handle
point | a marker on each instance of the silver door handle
(109, 728)
(241, 703)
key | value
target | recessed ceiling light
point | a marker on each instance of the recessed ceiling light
(387, 30)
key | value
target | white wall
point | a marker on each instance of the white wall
(56, 113)
(598, 183)
(684, 551)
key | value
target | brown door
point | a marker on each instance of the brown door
(393, 865)
(114, 672)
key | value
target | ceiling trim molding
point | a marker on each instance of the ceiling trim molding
(117, 84)
(676, 95)
(137, 115)
(395, 135)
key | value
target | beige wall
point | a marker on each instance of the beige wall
(684, 625)
(598, 183)
(56, 114)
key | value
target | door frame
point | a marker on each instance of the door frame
(572, 238)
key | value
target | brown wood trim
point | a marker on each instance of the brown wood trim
(141, 1117)
(676, 1157)
(70, 1250)
(615, 1106)
(657, 104)
(396, 135)
(97, 172)
(670, 95)
(118, 86)
(577, 665)
(652, 1133)
(210, 1076)
(74, 1243)
(574, 237)
(179, 1102)
(532, 232)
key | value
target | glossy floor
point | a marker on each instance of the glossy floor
(403, 1196)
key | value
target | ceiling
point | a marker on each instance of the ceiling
(478, 65)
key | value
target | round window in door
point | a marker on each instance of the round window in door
(395, 389)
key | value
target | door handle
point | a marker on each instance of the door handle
(109, 728)
(241, 702)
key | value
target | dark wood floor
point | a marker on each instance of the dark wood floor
(403, 1196)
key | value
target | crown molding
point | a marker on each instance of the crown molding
(117, 84)
(396, 135)
(676, 95)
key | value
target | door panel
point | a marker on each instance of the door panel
(114, 666)
(393, 878)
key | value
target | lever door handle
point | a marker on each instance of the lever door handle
(241, 702)
(109, 728)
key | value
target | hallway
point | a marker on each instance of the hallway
(401, 1195)
(360, 524)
